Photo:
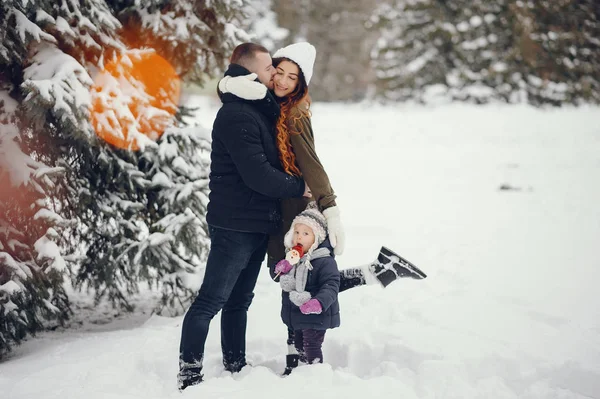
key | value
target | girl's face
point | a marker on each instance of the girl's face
(304, 236)
(286, 78)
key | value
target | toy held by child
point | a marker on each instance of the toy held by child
(309, 279)
(292, 257)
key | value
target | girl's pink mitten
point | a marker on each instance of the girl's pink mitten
(311, 307)
(283, 267)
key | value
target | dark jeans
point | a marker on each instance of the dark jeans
(308, 344)
(232, 269)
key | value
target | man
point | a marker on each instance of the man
(246, 184)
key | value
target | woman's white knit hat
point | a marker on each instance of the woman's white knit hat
(312, 218)
(303, 54)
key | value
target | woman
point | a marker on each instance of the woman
(295, 141)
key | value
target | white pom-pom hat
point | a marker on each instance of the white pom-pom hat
(312, 218)
(303, 54)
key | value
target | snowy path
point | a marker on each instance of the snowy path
(510, 308)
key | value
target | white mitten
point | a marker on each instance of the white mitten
(243, 86)
(335, 229)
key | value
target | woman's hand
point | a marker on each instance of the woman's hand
(307, 192)
(337, 237)
(243, 87)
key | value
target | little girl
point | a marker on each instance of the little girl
(310, 281)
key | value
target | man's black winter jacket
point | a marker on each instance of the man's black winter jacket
(246, 177)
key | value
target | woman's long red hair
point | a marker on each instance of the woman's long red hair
(285, 123)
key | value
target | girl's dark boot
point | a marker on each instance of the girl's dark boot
(291, 362)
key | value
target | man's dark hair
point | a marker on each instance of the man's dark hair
(244, 53)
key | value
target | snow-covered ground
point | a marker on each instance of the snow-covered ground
(510, 308)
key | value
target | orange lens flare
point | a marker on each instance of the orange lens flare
(134, 99)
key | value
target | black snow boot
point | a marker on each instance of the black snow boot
(188, 378)
(291, 362)
(390, 266)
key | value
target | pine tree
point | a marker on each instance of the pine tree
(115, 218)
(542, 52)
(32, 268)
(483, 55)
(567, 65)
(163, 229)
(262, 22)
(415, 50)
(195, 36)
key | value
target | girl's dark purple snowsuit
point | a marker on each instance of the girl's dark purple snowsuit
(308, 343)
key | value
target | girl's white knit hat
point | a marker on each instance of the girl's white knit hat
(303, 54)
(312, 218)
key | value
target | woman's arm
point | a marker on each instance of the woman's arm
(308, 162)
(303, 144)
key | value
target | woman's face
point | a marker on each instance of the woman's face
(286, 78)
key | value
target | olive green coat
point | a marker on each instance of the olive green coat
(313, 173)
